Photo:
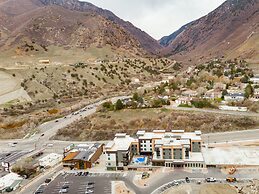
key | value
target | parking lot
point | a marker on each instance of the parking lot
(82, 183)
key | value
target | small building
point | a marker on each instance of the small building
(256, 95)
(212, 94)
(183, 100)
(234, 97)
(219, 86)
(44, 61)
(10, 182)
(190, 93)
(233, 108)
(83, 156)
(255, 79)
(50, 160)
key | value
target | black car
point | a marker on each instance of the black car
(187, 179)
(80, 173)
(86, 173)
(65, 186)
(47, 180)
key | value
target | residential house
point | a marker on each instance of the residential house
(234, 97)
(212, 94)
(256, 95)
(183, 100)
(190, 93)
(219, 86)
(255, 79)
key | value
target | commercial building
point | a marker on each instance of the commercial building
(50, 160)
(176, 148)
(82, 156)
(10, 182)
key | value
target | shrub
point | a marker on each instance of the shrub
(202, 104)
(119, 105)
(108, 106)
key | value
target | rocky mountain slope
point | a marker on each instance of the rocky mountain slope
(232, 30)
(34, 25)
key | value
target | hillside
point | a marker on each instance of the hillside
(231, 30)
(31, 26)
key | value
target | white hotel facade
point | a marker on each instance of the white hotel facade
(175, 148)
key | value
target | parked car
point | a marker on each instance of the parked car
(187, 179)
(65, 186)
(63, 191)
(231, 179)
(175, 183)
(211, 179)
(47, 180)
(86, 173)
(145, 175)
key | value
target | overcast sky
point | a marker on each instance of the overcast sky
(159, 17)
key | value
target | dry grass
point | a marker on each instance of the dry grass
(203, 189)
(103, 126)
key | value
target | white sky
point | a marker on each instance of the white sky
(158, 17)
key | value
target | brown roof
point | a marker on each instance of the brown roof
(71, 156)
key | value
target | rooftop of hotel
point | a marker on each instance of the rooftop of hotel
(174, 134)
(122, 141)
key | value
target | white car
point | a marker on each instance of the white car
(63, 191)
(175, 183)
(89, 191)
(211, 179)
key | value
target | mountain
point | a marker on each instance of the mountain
(167, 40)
(35, 25)
(230, 31)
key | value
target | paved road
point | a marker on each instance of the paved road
(231, 136)
(41, 140)
(249, 114)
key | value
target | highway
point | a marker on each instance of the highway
(42, 139)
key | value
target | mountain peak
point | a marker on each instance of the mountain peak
(68, 24)
(229, 31)
(70, 4)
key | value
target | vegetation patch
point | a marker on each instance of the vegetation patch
(104, 125)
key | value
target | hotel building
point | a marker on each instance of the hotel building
(176, 148)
